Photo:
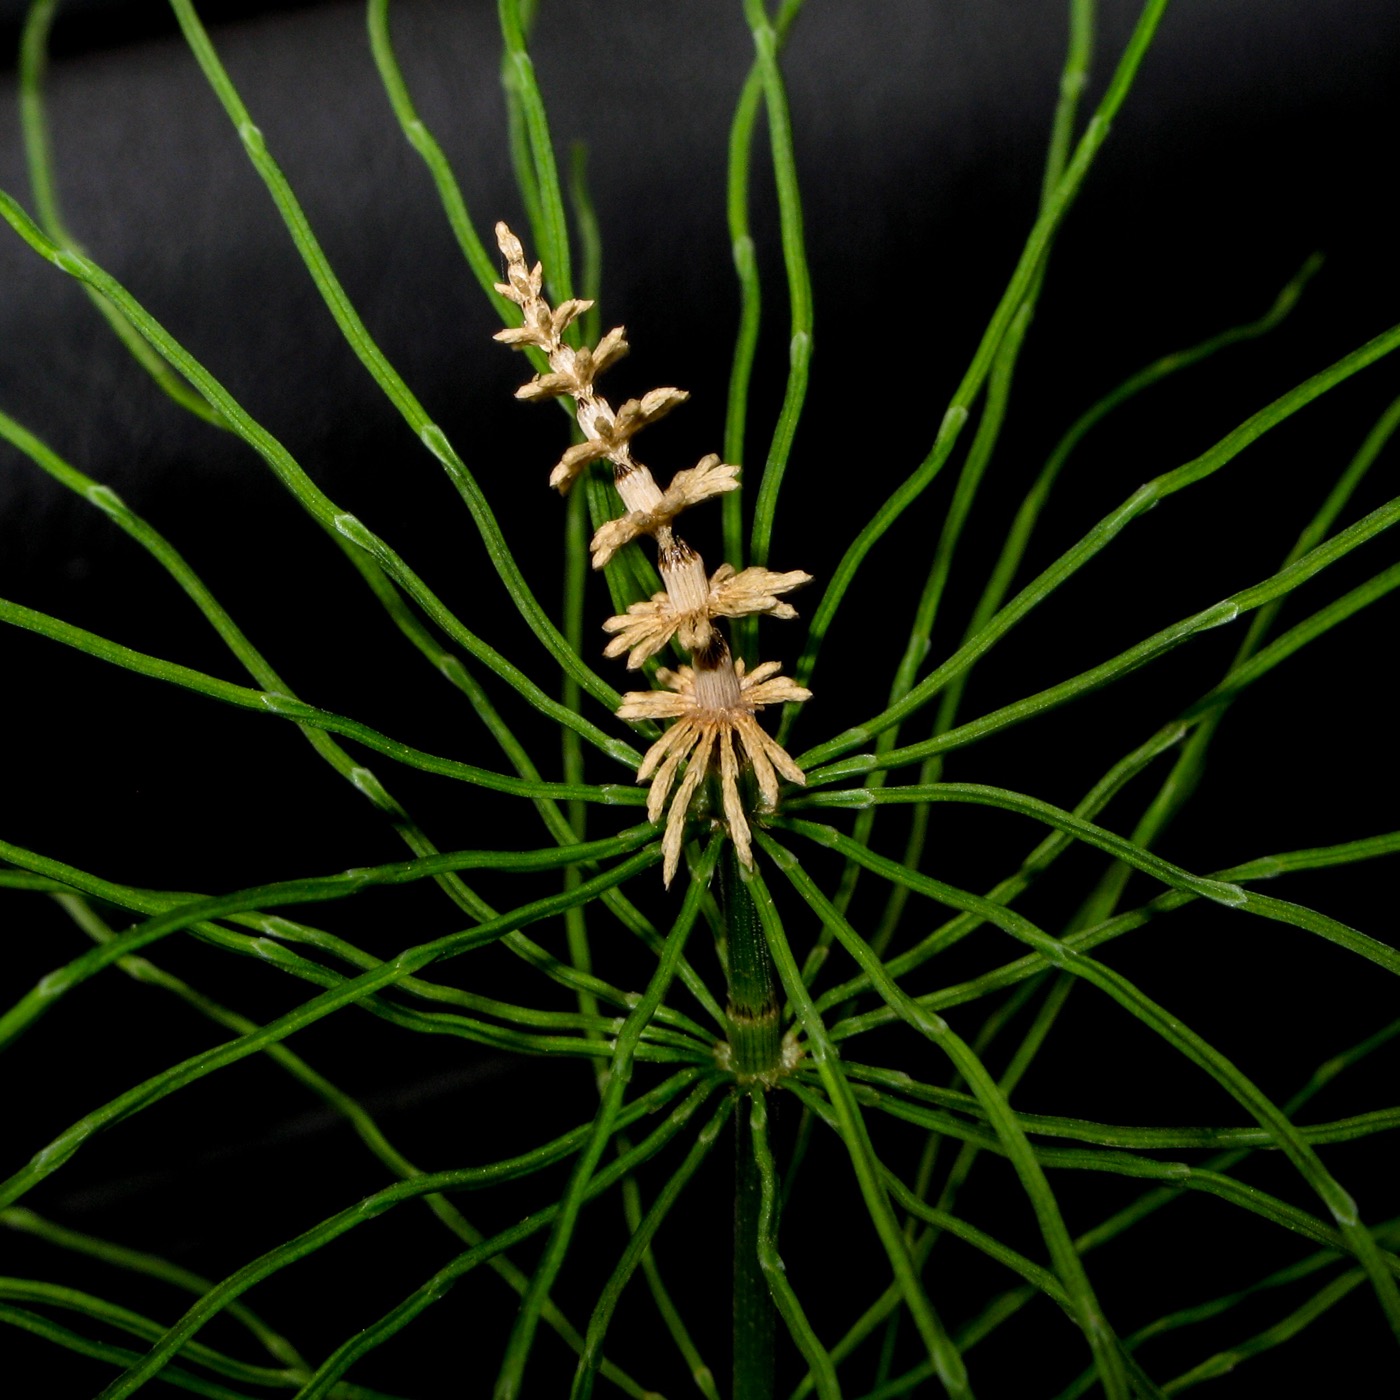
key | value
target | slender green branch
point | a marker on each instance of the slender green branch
(982, 795)
(62, 980)
(1224, 1362)
(765, 40)
(373, 1336)
(1115, 1225)
(1035, 864)
(1028, 513)
(938, 1220)
(65, 1337)
(1250, 662)
(508, 1381)
(590, 242)
(155, 544)
(1225, 611)
(1034, 964)
(1073, 78)
(33, 59)
(370, 355)
(38, 152)
(300, 713)
(108, 1314)
(1040, 1279)
(48, 1159)
(481, 262)
(313, 500)
(358, 1117)
(1084, 1305)
(774, 1271)
(1176, 1176)
(1117, 1135)
(867, 1168)
(1027, 268)
(371, 1207)
(551, 232)
(138, 1261)
(638, 1245)
(1192, 1046)
(741, 132)
(273, 931)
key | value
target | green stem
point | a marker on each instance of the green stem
(754, 1319)
(34, 127)
(750, 295)
(753, 1012)
(955, 416)
(753, 1015)
(766, 42)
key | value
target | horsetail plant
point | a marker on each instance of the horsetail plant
(878, 1065)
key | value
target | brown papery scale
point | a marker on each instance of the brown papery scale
(714, 700)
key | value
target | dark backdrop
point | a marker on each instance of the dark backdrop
(1259, 132)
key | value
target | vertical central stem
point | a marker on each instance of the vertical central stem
(753, 1013)
(754, 1317)
(755, 1040)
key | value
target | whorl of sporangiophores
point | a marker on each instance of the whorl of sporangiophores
(714, 700)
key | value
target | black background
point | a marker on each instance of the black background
(1257, 134)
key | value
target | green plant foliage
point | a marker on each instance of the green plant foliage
(807, 1010)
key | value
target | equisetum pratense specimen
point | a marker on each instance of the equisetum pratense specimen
(713, 700)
